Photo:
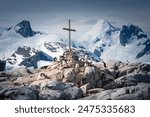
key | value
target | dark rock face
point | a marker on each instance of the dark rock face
(25, 51)
(2, 65)
(32, 61)
(98, 51)
(128, 31)
(30, 57)
(146, 50)
(130, 80)
(24, 29)
(138, 92)
(53, 46)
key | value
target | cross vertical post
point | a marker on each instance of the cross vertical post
(69, 36)
(69, 29)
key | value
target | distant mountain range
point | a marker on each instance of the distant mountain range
(22, 46)
(128, 43)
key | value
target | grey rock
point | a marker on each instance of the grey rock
(18, 72)
(145, 67)
(55, 85)
(69, 75)
(56, 90)
(95, 90)
(106, 79)
(19, 93)
(140, 91)
(92, 76)
(74, 93)
(49, 94)
(85, 88)
(129, 80)
(3, 79)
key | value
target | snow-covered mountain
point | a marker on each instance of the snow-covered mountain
(2, 29)
(20, 44)
(27, 57)
(25, 47)
(129, 43)
(23, 35)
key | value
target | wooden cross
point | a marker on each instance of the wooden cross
(69, 29)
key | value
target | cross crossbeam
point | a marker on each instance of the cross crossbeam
(69, 29)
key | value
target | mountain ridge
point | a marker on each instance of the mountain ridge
(103, 41)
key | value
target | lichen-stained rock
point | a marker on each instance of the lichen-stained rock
(39, 82)
(25, 80)
(19, 93)
(140, 92)
(91, 75)
(54, 65)
(55, 74)
(19, 72)
(85, 88)
(69, 75)
(78, 78)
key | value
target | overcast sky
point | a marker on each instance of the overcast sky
(52, 15)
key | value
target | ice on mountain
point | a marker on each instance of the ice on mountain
(101, 42)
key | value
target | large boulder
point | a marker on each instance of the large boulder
(129, 80)
(18, 72)
(48, 94)
(54, 74)
(19, 93)
(73, 93)
(92, 76)
(107, 78)
(134, 67)
(59, 90)
(69, 75)
(138, 92)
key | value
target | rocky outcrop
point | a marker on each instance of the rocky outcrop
(72, 78)
(59, 90)
(28, 57)
(129, 30)
(24, 29)
(140, 92)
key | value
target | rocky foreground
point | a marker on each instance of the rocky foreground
(77, 79)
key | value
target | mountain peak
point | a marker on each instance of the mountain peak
(24, 29)
(129, 31)
(104, 25)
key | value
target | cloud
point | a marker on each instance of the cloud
(90, 22)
